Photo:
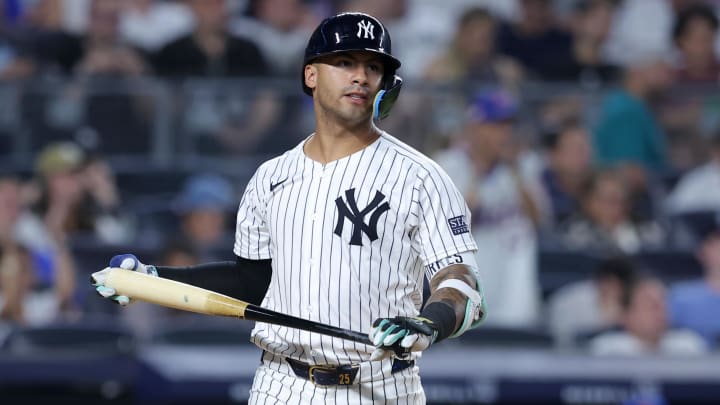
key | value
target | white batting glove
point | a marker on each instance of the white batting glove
(400, 336)
(124, 261)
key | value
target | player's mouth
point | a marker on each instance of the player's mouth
(357, 97)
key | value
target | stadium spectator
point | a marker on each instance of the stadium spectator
(628, 135)
(590, 306)
(45, 232)
(694, 35)
(221, 122)
(697, 189)
(15, 269)
(507, 205)
(536, 41)
(99, 51)
(75, 196)
(204, 206)
(604, 224)
(590, 25)
(640, 27)
(151, 24)
(695, 304)
(210, 50)
(280, 28)
(646, 329)
(569, 164)
(471, 55)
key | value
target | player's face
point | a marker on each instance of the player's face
(345, 84)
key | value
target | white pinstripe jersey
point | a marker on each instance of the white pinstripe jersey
(350, 241)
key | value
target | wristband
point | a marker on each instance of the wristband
(442, 317)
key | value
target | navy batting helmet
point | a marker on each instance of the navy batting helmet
(357, 32)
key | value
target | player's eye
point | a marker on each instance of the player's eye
(344, 63)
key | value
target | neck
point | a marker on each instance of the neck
(636, 88)
(482, 159)
(713, 279)
(587, 51)
(332, 140)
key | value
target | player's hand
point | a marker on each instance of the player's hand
(124, 261)
(400, 336)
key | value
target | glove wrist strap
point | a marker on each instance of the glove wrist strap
(443, 319)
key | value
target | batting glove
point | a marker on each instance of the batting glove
(127, 262)
(401, 335)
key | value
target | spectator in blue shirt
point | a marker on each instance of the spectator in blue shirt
(695, 304)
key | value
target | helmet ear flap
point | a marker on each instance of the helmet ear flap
(386, 97)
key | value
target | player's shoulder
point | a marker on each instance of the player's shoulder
(270, 167)
(415, 159)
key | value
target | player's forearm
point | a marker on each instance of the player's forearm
(243, 279)
(450, 296)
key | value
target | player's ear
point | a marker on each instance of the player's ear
(310, 76)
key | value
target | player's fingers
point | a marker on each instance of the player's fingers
(99, 277)
(379, 354)
(378, 326)
(409, 340)
(106, 292)
(394, 337)
(380, 337)
(123, 300)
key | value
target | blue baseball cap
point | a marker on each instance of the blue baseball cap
(495, 105)
(204, 192)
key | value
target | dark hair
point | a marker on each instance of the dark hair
(584, 6)
(702, 11)
(619, 267)
(629, 290)
(474, 13)
(550, 137)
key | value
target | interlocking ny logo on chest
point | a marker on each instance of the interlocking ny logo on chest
(349, 210)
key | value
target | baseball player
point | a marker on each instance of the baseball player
(342, 229)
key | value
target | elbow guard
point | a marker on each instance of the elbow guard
(475, 309)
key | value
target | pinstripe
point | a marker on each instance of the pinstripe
(378, 278)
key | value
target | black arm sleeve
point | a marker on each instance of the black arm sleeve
(244, 279)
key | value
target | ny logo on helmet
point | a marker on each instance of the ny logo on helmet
(365, 29)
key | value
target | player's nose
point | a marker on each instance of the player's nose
(359, 75)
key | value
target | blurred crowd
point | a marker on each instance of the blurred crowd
(636, 169)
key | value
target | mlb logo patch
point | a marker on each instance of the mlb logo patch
(458, 226)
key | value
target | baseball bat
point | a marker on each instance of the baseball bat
(186, 297)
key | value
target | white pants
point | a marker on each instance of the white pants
(275, 383)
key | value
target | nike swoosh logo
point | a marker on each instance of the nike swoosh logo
(273, 186)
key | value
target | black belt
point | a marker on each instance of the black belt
(336, 375)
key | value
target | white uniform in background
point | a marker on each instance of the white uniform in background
(506, 237)
(350, 242)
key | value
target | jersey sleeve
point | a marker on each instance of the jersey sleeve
(443, 227)
(252, 238)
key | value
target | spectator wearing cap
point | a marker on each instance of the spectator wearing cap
(695, 304)
(203, 207)
(45, 230)
(507, 204)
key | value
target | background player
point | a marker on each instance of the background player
(340, 230)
